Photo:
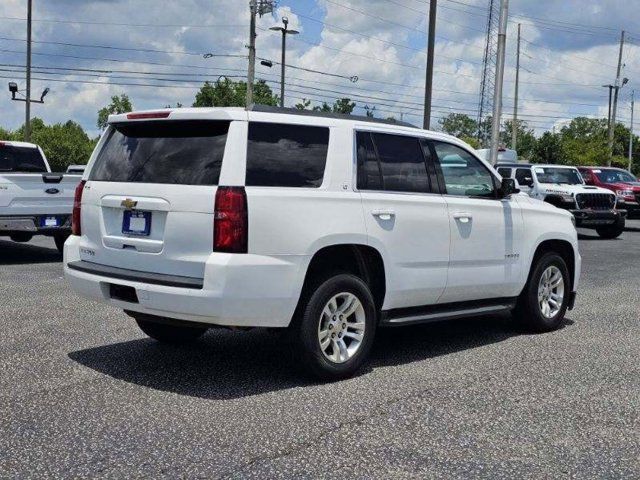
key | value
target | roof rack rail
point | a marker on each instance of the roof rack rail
(314, 113)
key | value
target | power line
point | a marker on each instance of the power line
(129, 49)
(119, 24)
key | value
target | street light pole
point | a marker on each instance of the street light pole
(514, 127)
(497, 94)
(27, 109)
(428, 84)
(617, 87)
(631, 131)
(285, 31)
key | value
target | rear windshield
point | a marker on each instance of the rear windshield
(181, 152)
(21, 159)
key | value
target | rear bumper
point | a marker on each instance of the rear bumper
(596, 218)
(236, 290)
(34, 224)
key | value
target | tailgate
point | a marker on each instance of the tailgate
(36, 193)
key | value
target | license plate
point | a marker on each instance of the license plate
(136, 223)
(49, 222)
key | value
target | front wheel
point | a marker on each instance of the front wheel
(611, 231)
(172, 334)
(336, 328)
(543, 302)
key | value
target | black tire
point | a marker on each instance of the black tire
(21, 237)
(612, 231)
(59, 240)
(528, 311)
(305, 328)
(171, 334)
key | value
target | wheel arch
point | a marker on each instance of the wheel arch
(364, 261)
(562, 247)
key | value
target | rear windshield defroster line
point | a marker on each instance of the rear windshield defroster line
(166, 152)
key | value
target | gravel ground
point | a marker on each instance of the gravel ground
(84, 394)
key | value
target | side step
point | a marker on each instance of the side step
(445, 311)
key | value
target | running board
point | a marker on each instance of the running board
(445, 311)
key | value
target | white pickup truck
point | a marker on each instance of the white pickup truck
(33, 201)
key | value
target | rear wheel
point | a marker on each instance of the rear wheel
(59, 239)
(336, 328)
(612, 231)
(543, 302)
(172, 334)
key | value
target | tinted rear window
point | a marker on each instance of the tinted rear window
(284, 155)
(21, 159)
(394, 163)
(180, 152)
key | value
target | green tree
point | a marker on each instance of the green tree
(526, 141)
(548, 149)
(227, 93)
(459, 125)
(119, 104)
(344, 105)
(6, 134)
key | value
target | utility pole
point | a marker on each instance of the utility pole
(285, 31)
(514, 127)
(27, 109)
(256, 7)
(612, 123)
(631, 131)
(497, 94)
(251, 76)
(428, 84)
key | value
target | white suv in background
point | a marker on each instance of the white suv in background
(329, 226)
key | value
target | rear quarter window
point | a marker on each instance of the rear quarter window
(286, 155)
(167, 152)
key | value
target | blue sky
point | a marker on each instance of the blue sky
(86, 50)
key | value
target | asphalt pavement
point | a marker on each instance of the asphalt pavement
(83, 393)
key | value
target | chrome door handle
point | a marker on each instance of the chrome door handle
(383, 214)
(463, 217)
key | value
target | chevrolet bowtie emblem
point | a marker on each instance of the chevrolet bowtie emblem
(128, 203)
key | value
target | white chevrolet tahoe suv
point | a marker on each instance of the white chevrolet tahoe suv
(331, 227)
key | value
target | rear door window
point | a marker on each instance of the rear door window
(175, 152)
(286, 155)
(21, 159)
(393, 163)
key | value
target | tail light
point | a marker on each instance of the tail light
(75, 216)
(231, 224)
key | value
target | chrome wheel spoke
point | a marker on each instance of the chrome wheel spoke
(551, 291)
(341, 327)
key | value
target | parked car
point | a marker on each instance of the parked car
(624, 184)
(330, 226)
(564, 187)
(33, 201)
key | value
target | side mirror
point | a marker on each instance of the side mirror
(508, 187)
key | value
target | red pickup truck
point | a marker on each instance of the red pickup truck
(625, 185)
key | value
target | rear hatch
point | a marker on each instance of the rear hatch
(149, 199)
